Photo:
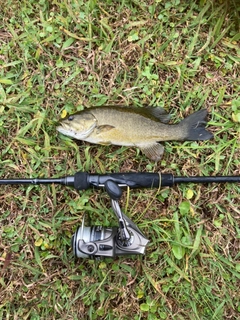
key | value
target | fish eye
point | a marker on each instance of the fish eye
(70, 118)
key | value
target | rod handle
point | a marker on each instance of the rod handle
(84, 180)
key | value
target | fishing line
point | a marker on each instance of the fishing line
(160, 181)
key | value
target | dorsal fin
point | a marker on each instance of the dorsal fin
(154, 113)
(159, 113)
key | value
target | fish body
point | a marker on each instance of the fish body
(139, 127)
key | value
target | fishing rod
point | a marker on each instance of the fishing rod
(126, 238)
(134, 180)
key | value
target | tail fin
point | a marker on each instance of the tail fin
(195, 126)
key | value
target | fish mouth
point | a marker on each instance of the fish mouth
(65, 129)
(62, 127)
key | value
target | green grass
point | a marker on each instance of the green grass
(66, 55)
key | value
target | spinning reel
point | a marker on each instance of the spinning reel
(98, 241)
(126, 238)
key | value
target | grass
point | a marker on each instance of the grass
(66, 55)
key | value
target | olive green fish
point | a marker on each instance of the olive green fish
(139, 127)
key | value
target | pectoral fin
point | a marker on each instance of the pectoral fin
(104, 128)
(153, 151)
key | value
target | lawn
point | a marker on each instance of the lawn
(58, 57)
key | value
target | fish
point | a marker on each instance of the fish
(142, 127)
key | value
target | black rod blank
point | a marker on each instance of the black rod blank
(30, 181)
(84, 180)
(207, 179)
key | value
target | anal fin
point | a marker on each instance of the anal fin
(153, 151)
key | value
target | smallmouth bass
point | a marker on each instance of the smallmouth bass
(139, 127)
